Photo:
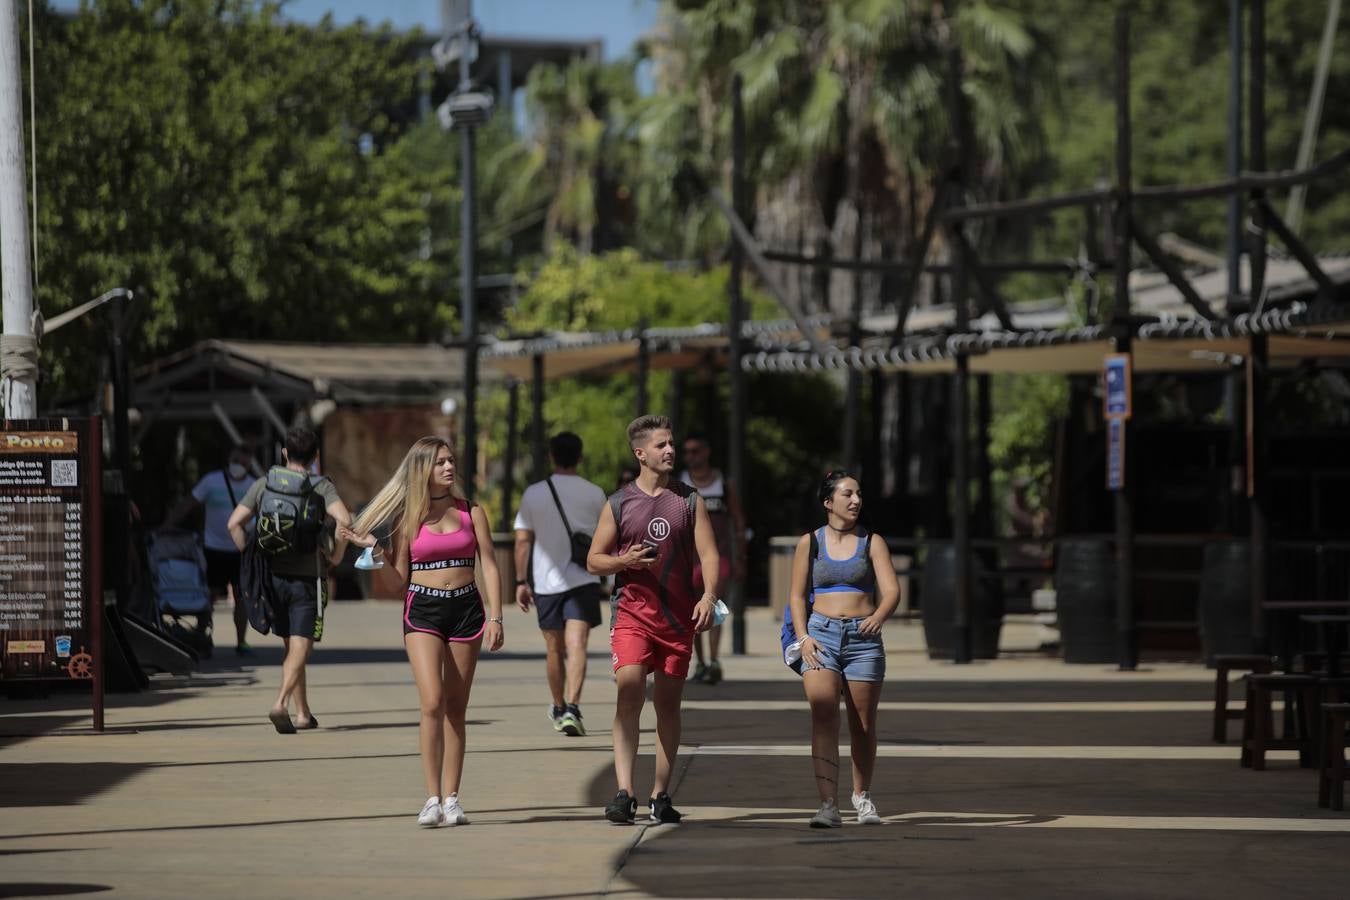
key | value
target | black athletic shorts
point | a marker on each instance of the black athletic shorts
(455, 615)
(582, 603)
(297, 606)
(222, 568)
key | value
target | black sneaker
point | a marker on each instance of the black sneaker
(662, 812)
(570, 721)
(622, 810)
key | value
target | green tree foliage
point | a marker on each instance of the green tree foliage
(1179, 95)
(845, 102)
(249, 177)
(571, 170)
(611, 292)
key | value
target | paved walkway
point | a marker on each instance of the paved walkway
(1017, 778)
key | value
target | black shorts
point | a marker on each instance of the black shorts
(297, 606)
(222, 568)
(581, 603)
(455, 615)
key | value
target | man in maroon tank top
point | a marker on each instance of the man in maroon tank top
(651, 535)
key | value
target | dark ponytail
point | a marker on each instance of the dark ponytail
(832, 479)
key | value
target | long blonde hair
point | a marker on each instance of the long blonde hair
(405, 500)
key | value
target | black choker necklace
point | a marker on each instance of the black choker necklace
(441, 497)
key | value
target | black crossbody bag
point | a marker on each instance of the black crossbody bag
(579, 542)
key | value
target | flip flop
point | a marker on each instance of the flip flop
(312, 723)
(281, 720)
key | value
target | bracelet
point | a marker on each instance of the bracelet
(497, 619)
(521, 582)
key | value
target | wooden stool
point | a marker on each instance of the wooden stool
(1223, 664)
(1314, 662)
(1331, 761)
(1258, 729)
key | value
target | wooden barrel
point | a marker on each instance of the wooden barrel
(1085, 586)
(937, 603)
(1225, 599)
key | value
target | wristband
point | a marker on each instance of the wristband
(497, 619)
(521, 582)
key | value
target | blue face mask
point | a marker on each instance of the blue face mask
(237, 471)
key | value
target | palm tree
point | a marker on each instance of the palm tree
(846, 114)
(566, 172)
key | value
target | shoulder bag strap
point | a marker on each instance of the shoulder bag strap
(811, 569)
(229, 488)
(558, 503)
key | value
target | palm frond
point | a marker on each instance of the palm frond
(818, 123)
(993, 30)
(761, 66)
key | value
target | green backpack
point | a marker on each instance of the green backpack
(290, 514)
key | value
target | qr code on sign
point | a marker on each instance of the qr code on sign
(65, 473)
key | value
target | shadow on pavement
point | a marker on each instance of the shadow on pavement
(1004, 825)
(54, 889)
(60, 784)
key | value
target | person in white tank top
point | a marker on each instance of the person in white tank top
(728, 521)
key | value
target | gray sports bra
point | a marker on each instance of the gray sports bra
(852, 575)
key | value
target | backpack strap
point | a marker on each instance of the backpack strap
(811, 569)
(558, 503)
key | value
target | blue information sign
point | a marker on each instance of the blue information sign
(1116, 376)
(1115, 454)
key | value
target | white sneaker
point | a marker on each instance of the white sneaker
(827, 816)
(867, 810)
(452, 813)
(430, 816)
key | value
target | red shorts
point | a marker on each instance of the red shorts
(633, 645)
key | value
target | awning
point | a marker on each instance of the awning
(228, 380)
(578, 353)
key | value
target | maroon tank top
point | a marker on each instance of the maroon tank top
(660, 598)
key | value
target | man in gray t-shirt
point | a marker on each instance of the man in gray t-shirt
(299, 581)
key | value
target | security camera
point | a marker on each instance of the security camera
(465, 110)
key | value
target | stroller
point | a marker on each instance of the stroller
(178, 570)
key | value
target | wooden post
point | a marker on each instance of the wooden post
(1234, 246)
(737, 410)
(984, 469)
(1126, 639)
(1259, 536)
(1256, 102)
(540, 460)
(93, 479)
(512, 440)
(960, 420)
(643, 370)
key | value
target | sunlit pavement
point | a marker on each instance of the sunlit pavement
(1020, 777)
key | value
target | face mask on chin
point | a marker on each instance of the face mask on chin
(237, 471)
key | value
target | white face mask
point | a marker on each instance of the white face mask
(237, 471)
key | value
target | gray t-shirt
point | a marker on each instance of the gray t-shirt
(295, 565)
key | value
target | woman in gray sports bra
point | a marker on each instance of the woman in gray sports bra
(843, 589)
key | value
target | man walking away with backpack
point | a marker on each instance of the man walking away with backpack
(217, 494)
(294, 514)
(553, 536)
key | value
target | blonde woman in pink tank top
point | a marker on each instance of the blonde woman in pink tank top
(436, 540)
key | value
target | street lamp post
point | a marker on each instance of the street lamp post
(464, 111)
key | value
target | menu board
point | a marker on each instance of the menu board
(48, 582)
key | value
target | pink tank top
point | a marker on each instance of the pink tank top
(451, 550)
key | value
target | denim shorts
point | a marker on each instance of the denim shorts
(855, 656)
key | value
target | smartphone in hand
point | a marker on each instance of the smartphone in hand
(652, 548)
